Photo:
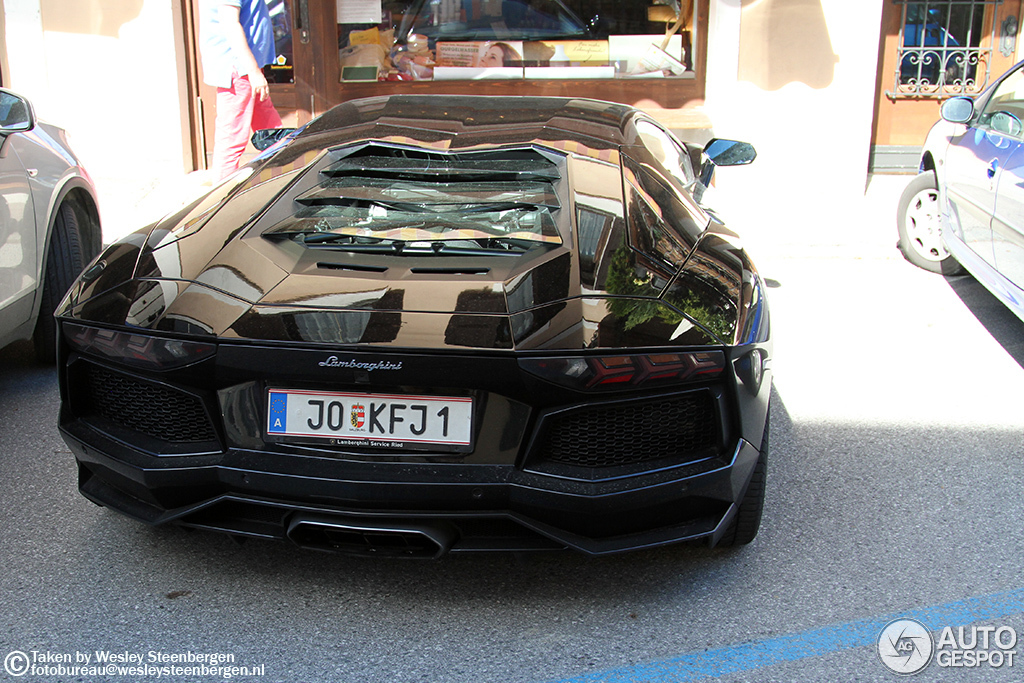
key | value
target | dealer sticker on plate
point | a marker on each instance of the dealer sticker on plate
(389, 420)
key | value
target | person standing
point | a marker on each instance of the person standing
(236, 39)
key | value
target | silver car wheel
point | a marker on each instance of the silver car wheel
(920, 228)
(924, 228)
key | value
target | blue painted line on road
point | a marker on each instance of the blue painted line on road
(761, 653)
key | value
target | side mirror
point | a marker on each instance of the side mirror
(957, 110)
(729, 152)
(16, 115)
(268, 137)
(720, 152)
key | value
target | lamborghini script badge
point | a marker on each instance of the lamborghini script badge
(333, 362)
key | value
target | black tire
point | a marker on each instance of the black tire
(64, 261)
(747, 521)
(919, 227)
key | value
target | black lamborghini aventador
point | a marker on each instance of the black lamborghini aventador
(424, 324)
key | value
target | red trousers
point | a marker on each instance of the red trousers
(238, 115)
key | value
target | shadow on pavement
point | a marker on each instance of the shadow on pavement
(17, 354)
(1004, 326)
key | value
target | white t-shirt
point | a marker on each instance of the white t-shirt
(218, 62)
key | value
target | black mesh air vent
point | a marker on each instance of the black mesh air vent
(683, 428)
(152, 409)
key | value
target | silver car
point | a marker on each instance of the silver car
(965, 211)
(49, 224)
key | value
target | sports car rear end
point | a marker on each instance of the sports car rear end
(426, 325)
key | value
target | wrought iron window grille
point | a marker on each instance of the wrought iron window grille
(945, 48)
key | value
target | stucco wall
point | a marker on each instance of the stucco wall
(109, 72)
(797, 79)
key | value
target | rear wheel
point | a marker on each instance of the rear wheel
(748, 517)
(64, 261)
(920, 228)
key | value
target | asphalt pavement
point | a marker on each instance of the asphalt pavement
(894, 490)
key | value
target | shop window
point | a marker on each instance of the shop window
(945, 47)
(515, 39)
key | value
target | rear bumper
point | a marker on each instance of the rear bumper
(423, 509)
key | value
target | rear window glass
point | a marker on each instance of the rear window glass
(394, 200)
(659, 223)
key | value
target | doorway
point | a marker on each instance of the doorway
(290, 77)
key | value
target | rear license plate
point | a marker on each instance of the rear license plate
(374, 420)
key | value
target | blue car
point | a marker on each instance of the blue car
(965, 210)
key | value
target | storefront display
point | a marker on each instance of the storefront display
(514, 39)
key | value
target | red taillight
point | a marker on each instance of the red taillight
(143, 351)
(607, 373)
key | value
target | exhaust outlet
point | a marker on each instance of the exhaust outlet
(371, 538)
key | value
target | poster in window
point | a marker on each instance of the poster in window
(566, 53)
(480, 54)
(360, 11)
